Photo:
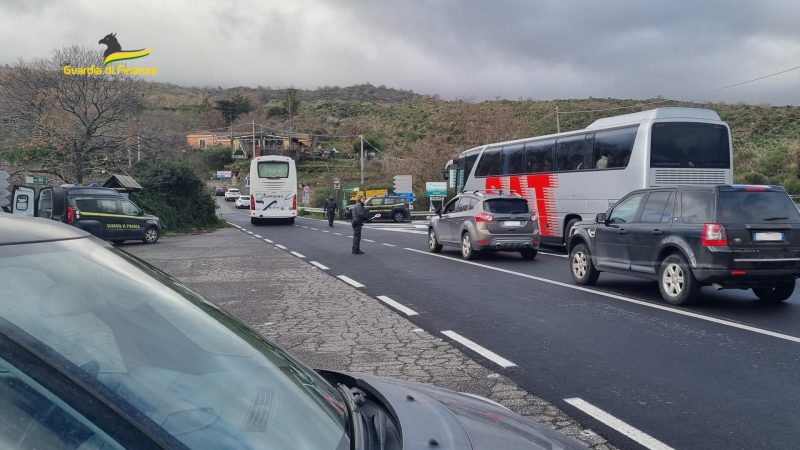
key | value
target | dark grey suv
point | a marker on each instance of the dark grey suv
(726, 236)
(479, 222)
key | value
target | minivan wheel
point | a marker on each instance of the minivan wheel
(581, 266)
(777, 293)
(528, 253)
(398, 216)
(433, 244)
(676, 281)
(467, 252)
(151, 235)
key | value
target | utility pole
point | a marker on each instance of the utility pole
(254, 139)
(138, 148)
(558, 122)
(361, 136)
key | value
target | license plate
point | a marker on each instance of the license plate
(512, 223)
(767, 236)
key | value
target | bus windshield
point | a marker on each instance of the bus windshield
(689, 145)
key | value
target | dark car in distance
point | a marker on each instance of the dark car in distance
(99, 350)
(219, 191)
(726, 236)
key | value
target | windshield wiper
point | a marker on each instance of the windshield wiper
(776, 218)
(356, 425)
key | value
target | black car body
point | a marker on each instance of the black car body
(100, 350)
(728, 236)
(219, 190)
(390, 208)
(103, 212)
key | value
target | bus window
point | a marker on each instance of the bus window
(574, 152)
(491, 163)
(690, 145)
(539, 156)
(273, 169)
(613, 148)
(514, 159)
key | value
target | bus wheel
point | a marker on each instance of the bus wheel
(569, 226)
(255, 221)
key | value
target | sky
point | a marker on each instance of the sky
(457, 49)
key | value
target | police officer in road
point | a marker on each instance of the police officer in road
(360, 216)
(330, 210)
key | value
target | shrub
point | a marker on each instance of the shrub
(174, 192)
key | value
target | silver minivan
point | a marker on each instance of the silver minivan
(478, 221)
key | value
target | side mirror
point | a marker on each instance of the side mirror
(438, 211)
(600, 218)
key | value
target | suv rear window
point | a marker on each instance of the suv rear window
(506, 206)
(756, 207)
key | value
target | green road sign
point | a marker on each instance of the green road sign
(33, 179)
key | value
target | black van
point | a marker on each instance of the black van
(103, 212)
(726, 236)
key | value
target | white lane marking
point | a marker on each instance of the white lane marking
(350, 236)
(624, 299)
(249, 232)
(234, 225)
(350, 281)
(325, 231)
(298, 254)
(399, 230)
(267, 241)
(553, 254)
(338, 234)
(483, 351)
(280, 246)
(321, 266)
(257, 235)
(639, 436)
(389, 245)
(403, 309)
(368, 240)
(315, 229)
(303, 226)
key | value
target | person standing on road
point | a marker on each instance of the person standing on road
(330, 210)
(360, 216)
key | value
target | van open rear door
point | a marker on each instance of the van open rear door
(22, 201)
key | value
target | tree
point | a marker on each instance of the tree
(78, 122)
(291, 104)
(216, 158)
(232, 108)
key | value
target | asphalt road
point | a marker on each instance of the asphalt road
(722, 374)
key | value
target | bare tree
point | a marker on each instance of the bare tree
(70, 124)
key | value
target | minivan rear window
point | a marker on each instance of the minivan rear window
(506, 206)
(743, 206)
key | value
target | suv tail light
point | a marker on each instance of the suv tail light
(70, 215)
(714, 235)
(252, 202)
(294, 202)
(483, 217)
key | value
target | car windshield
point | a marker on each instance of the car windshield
(153, 347)
(506, 206)
(743, 206)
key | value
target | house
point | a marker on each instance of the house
(251, 144)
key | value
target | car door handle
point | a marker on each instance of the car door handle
(657, 231)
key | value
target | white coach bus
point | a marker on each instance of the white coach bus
(573, 176)
(273, 189)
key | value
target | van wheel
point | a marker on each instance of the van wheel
(676, 281)
(467, 252)
(528, 254)
(151, 235)
(775, 294)
(581, 266)
(290, 221)
(433, 244)
(398, 216)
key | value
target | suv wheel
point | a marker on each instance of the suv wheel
(151, 235)
(433, 244)
(467, 252)
(676, 281)
(582, 268)
(528, 254)
(398, 216)
(777, 293)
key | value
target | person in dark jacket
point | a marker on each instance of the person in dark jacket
(360, 216)
(330, 210)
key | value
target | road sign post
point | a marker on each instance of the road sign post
(4, 201)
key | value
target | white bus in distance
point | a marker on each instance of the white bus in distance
(573, 176)
(273, 189)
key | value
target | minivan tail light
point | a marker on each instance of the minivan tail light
(483, 217)
(714, 235)
(294, 202)
(70, 215)
(252, 202)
